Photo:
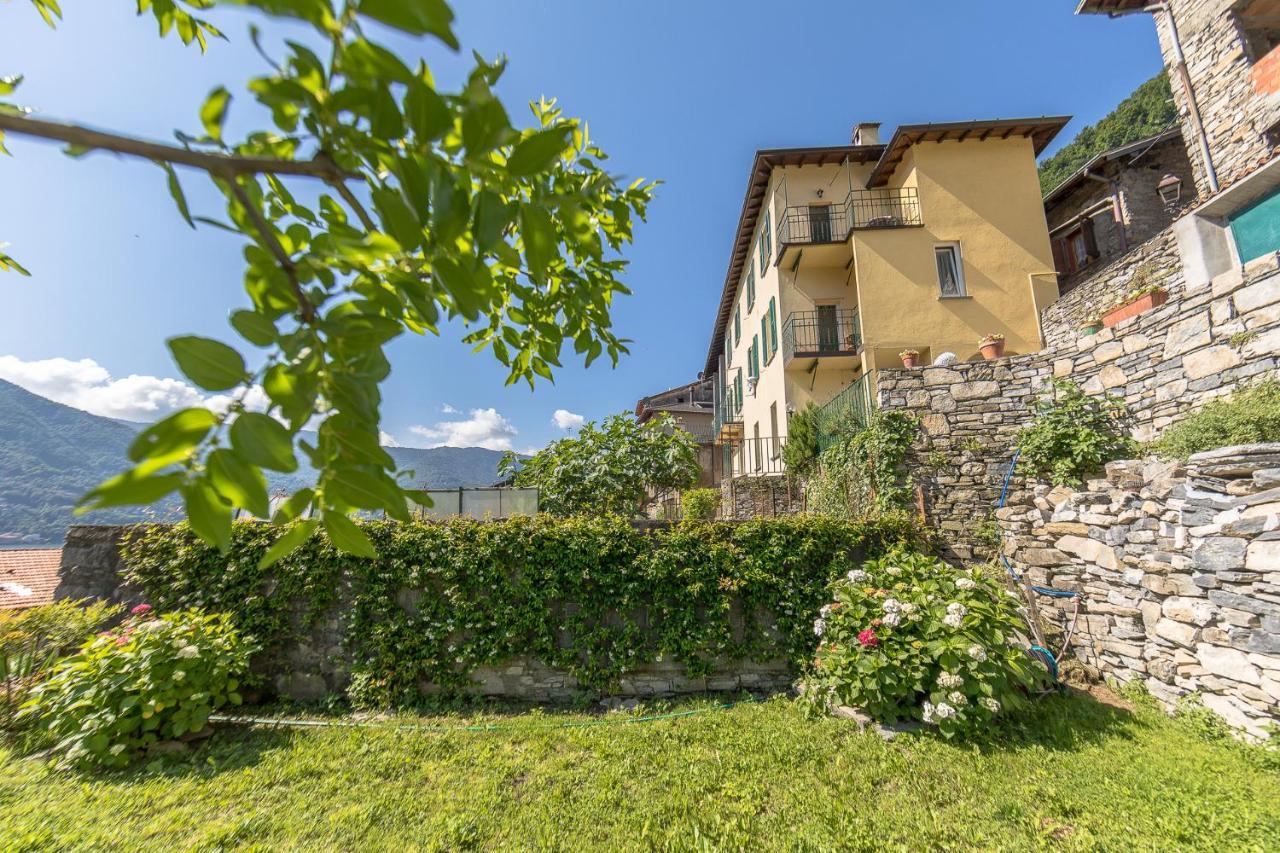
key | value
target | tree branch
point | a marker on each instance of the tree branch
(350, 198)
(224, 165)
(306, 309)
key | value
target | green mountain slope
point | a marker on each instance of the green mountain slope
(1146, 112)
(51, 454)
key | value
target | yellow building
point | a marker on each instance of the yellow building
(847, 255)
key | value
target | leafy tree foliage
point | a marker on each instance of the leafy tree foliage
(608, 468)
(1249, 416)
(1146, 112)
(1072, 435)
(434, 206)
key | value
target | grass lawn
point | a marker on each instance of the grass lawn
(1074, 774)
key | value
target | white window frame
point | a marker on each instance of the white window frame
(958, 255)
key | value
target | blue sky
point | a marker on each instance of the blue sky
(679, 91)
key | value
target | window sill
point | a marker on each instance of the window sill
(950, 298)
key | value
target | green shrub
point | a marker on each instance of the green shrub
(1073, 434)
(32, 640)
(910, 637)
(800, 451)
(861, 474)
(592, 595)
(149, 680)
(1249, 416)
(700, 504)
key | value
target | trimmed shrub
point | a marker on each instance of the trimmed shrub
(149, 680)
(700, 504)
(909, 637)
(1073, 435)
(594, 596)
(1249, 416)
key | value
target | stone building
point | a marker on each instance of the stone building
(692, 408)
(1224, 61)
(1113, 204)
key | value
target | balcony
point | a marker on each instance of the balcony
(828, 333)
(829, 225)
(727, 423)
(754, 457)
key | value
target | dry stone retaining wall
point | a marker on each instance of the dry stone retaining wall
(1179, 573)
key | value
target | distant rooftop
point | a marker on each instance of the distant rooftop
(28, 576)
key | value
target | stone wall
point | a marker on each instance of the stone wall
(1179, 575)
(317, 664)
(1163, 363)
(766, 496)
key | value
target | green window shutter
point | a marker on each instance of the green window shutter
(764, 337)
(737, 326)
(728, 351)
(737, 391)
(751, 290)
(773, 326)
(753, 357)
(766, 243)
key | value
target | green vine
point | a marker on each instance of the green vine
(593, 595)
(861, 475)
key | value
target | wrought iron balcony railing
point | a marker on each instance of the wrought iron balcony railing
(826, 331)
(831, 223)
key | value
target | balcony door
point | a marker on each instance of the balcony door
(820, 223)
(828, 328)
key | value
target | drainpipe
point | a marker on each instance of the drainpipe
(1117, 212)
(1180, 66)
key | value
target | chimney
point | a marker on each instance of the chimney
(866, 133)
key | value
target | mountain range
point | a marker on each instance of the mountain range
(51, 454)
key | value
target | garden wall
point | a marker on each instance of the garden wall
(1163, 363)
(763, 496)
(1179, 572)
(536, 608)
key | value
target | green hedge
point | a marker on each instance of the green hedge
(594, 596)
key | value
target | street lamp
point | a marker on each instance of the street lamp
(1170, 189)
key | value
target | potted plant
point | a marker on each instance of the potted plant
(1135, 302)
(1091, 326)
(910, 358)
(992, 346)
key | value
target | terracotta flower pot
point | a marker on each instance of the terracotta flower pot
(1146, 302)
(911, 361)
(992, 349)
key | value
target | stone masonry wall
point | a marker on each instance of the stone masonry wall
(318, 664)
(768, 496)
(1163, 363)
(1179, 575)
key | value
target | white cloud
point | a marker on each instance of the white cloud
(485, 428)
(567, 420)
(449, 410)
(89, 386)
(386, 439)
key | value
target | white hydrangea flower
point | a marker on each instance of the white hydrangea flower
(945, 711)
(893, 620)
(892, 605)
(928, 712)
(819, 626)
(825, 611)
(893, 571)
(187, 652)
(955, 608)
(857, 576)
(949, 679)
(965, 583)
(978, 653)
(990, 704)
(908, 608)
(952, 621)
(957, 698)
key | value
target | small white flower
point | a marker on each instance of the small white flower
(965, 583)
(957, 698)
(928, 712)
(945, 711)
(892, 605)
(178, 675)
(819, 626)
(825, 611)
(990, 704)
(908, 608)
(187, 652)
(978, 653)
(955, 608)
(117, 749)
(857, 576)
(952, 621)
(893, 571)
(893, 620)
(949, 679)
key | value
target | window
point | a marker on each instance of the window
(737, 391)
(766, 241)
(1076, 249)
(950, 269)
(769, 330)
(737, 326)
(1259, 30)
(753, 358)
(751, 291)
(773, 431)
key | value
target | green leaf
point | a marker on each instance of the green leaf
(212, 365)
(180, 431)
(347, 536)
(262, 441)
(397, 219)
(8, 84)
(241, 484)
(288, 541)
(175, 190)
(129, 488)
(294, 507)
(419, 17)
(209, 515)
(214, 112)
(539, 234)
(254, 327)
(361, 489)
(484, 126)
(538, 152)
(426, 112)
(8, 263)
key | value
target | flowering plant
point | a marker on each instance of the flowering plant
(990, 339)
(149, 680)
(909, 353)
(910, 637)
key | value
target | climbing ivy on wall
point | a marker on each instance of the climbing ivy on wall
(861, 474)
(594, 596)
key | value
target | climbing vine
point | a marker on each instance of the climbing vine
(860, 475)
(592, 595)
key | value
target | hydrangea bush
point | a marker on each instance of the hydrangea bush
(149, 680)
(909, 637)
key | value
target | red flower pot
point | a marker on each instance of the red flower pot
(911, 361)
(992, 350)
(1146, 302)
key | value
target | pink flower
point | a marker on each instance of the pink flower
(120, 641)
(141, 609)
(868, 638)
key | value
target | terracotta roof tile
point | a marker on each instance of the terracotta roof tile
(28, 576)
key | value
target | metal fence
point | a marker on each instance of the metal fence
(851, 407)
(813, 334)
(754, 457)
(885, 208)
(831, 223)
(478, 503)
